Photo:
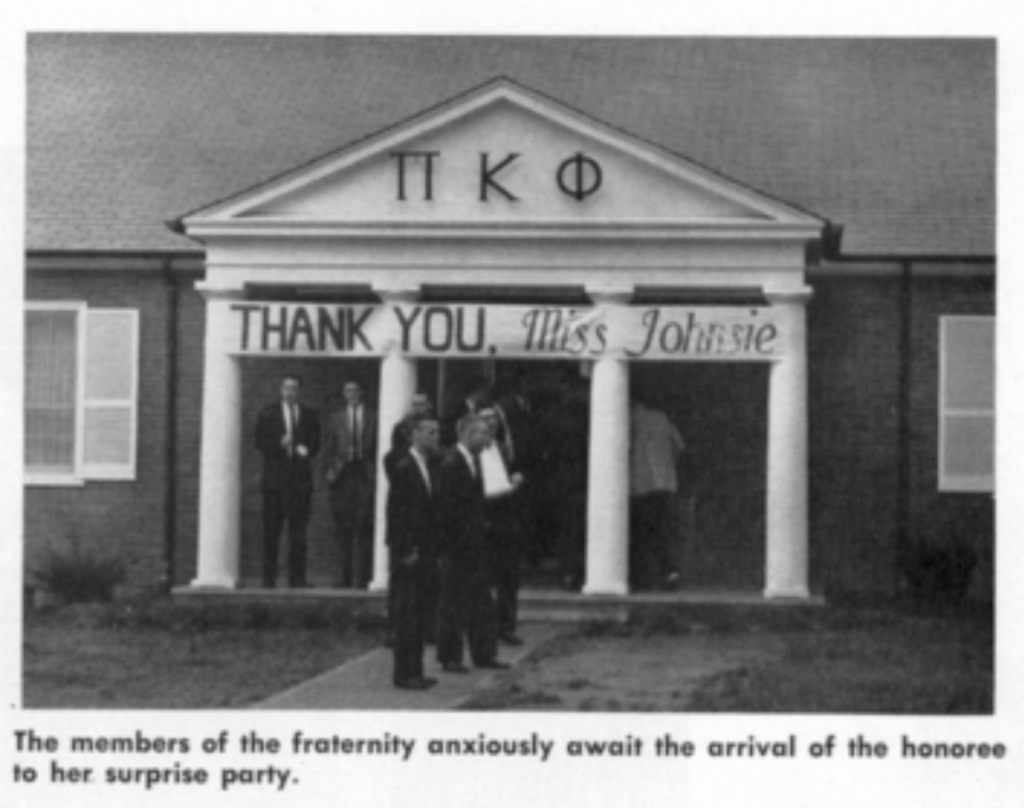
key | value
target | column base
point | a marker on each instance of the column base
(214, 583)
(605, 590)
(797, 593)
(378, 586)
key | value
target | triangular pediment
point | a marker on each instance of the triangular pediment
(503, 157)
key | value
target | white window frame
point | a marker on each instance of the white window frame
(961, 483)
(82, 472)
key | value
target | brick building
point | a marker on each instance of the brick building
(183, 190)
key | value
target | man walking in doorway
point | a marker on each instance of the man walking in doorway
(654, 451)
(288, 437)
(350, 451)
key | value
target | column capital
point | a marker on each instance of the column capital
(780, 297)
(397, 294)
(610, 295)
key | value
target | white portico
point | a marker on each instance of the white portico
(503, 188)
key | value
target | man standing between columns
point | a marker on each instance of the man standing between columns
(412, 541)
(350, 451)
(467, 605)
(288, 437)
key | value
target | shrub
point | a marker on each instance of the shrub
(940, 573)
(75, 575)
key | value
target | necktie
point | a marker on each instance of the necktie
(478, 472)
(290, 427)
(508, 433)
(425, 470)
(354, 428)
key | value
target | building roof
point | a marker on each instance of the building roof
(892, 139)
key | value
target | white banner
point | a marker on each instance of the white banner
(512, 332)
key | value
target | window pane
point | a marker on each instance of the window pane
(50, 390)
(109, 347)
(970, 364)
(969, 446)
(107, 435)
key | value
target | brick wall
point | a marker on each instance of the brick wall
(126, 517)
(854, 395)
(188, 430)
(938, 518)
(865, 509)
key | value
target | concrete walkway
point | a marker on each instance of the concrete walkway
(365, 683)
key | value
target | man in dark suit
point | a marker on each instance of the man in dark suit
(288, 437)
(412, 537)
(467, 604)
(401, 436)
(476, 395)
(350, 454)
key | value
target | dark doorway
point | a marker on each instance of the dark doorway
(718, 518)
(322, 383)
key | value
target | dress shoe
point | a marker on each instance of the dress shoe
(511, 639)
(454, 667)
(415, 683)
(494, 665)
(571, 583)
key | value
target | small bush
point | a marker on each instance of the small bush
(940, 574)
(80, 576)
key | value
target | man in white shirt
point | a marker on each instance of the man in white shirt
(503, 508)
(654, 452)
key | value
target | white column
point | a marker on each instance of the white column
(607, 570)
(786, 515)
(220, 470)
(397, 385)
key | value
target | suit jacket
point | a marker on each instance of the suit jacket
(460, 512)
(282, 470)
(338, 442)
(399, 448)
(513, 410)
(412, 518)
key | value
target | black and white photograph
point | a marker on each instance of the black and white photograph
(445, 402)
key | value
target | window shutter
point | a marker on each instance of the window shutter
(110, 398)
(967, 404)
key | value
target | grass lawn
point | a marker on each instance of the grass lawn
(160, 655)
(918, 665)
(895, 660)
(854, 659)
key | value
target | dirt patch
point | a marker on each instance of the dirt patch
(637, 674)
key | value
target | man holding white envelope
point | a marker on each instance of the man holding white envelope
(502, 483)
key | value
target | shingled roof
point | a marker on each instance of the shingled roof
(892, 139)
